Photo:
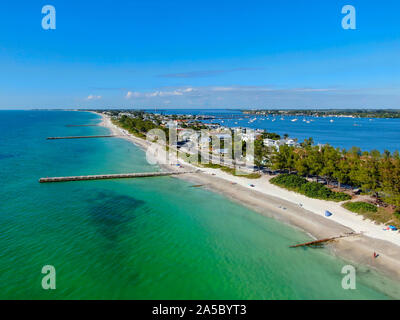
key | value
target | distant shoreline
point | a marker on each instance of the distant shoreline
(345, 113)
(283, 205)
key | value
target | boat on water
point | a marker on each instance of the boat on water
(331, 120)
(294, 120)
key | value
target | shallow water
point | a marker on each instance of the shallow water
(151, 238)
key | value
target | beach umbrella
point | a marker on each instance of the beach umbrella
(327, 213)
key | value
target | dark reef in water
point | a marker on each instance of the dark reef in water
(112, 212)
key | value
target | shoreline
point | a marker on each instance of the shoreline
(283, 205)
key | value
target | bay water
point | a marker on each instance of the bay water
(341, 132)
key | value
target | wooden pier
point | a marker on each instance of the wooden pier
(82, 125)
(112, 176)
(81, 137)
(323, 241)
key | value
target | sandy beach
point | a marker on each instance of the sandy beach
(298, 211)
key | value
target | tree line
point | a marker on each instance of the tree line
(374, 172)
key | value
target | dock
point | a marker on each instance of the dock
(82, 125)
(323, 241)
(112, 176)
(81, 137)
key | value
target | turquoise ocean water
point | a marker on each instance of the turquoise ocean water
(153, 238)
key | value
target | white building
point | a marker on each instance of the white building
(171, 124)
(277, 143)
(291, 142)
(269, 142)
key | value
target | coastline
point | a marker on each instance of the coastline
(270, 200)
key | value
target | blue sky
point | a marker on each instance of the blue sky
(200, 54)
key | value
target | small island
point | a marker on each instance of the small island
(345, 113)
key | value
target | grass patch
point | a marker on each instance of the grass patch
(310, 189)
(372, 212)
(360, 207)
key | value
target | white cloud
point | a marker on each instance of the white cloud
(93, 97)
(188, 90)
(129, 95)
(313, 90)
(222, 89)
(159, 93)
(132, 94)
(241, 89)
(237, 96)
(226, 90)
(177, 92)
